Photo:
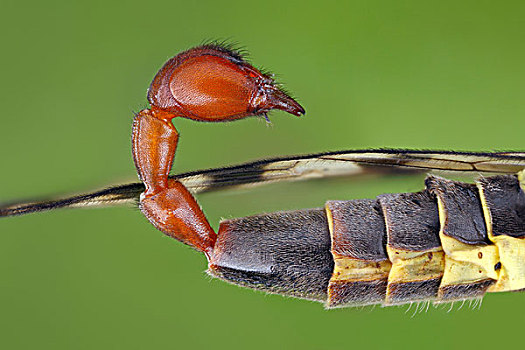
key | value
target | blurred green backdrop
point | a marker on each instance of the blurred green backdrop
(428, 74)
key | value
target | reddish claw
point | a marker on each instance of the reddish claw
(206, 83)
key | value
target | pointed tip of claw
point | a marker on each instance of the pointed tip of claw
(300, 111)
(279, 100)
(295, 109)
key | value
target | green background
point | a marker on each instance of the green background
(447, 75)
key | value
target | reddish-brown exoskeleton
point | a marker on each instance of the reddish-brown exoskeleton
(207, 83)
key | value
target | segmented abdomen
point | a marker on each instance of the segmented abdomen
(452, 241)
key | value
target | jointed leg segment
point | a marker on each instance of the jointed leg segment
(167, 204)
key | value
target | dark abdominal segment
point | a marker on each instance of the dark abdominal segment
(284, 252)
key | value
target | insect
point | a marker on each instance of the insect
(451, 241)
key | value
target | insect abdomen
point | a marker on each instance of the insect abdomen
(452, 241)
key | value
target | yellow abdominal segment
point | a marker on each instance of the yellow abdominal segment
(410, 266)
(511, 252)
(352, 270)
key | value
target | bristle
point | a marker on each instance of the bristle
(229, 47)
